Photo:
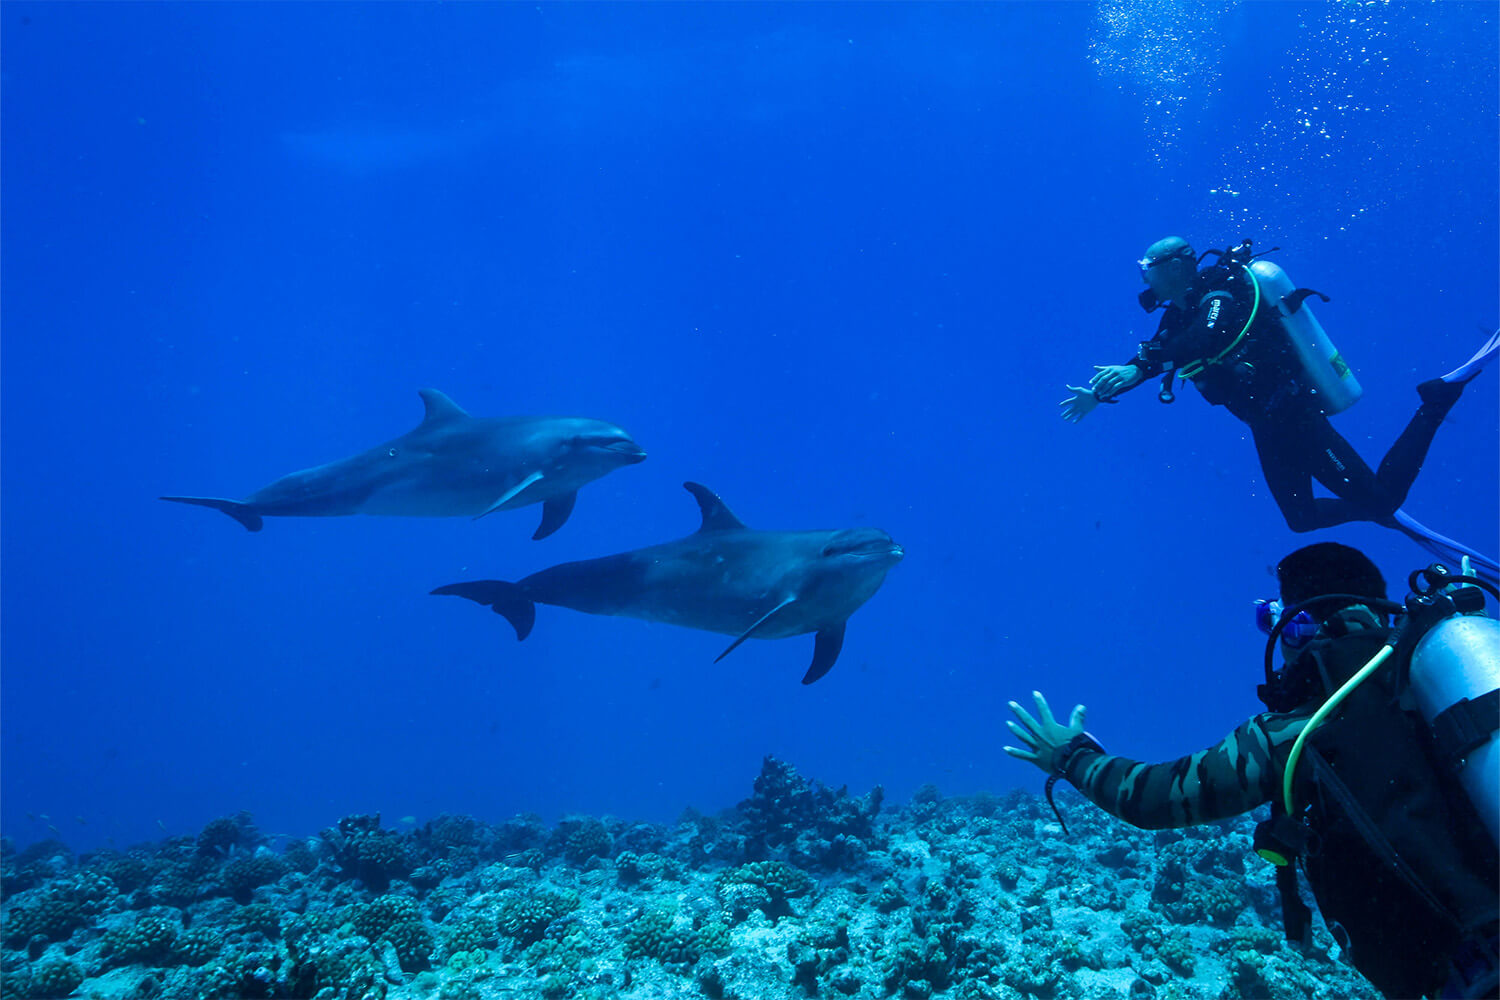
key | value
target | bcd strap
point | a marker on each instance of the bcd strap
(1195, 368)
(1464, 726)
(1295, 916)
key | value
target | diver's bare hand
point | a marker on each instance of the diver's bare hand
(1078, 405)
(1111, 380)
(1044, 740)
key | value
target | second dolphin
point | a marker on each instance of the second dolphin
(724, 577)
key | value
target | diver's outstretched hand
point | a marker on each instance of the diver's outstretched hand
(1111, 380)
(1078, 405)
(1046, 739)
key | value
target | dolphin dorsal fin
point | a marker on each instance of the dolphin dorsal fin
(439, 406)
(716, 516)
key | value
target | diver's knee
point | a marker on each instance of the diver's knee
(1300, 518)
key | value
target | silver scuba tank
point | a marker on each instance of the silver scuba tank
(1457, 660)
(1322, 363)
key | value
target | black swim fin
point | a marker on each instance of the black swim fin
(505, 599)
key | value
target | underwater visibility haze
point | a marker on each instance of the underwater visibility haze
(836, 261)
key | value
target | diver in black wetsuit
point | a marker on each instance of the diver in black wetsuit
(1238, 357)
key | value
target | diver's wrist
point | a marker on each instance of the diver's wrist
(1070, 751)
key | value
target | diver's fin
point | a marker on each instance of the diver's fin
(1475, 364)
(510, 495)
(751, 630)
(554, 515)
(716, 516)
(1446, 549)
(439, 407)
(505, 599)
(241, 512)
(825, 652)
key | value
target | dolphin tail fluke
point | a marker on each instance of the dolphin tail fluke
(554, 515)
(505, 599)
(825, 652)
(1446, 548)
(241, 512)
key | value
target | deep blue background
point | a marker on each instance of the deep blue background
(837, 262)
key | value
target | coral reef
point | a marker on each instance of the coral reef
(800, 890)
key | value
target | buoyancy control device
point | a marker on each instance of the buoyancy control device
(1441, 663)
(1446, 654)
(1327, 373)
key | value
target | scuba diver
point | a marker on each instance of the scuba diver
(1380, 759)
(1241, 333)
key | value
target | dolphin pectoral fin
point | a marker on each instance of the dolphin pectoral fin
(505, 599)
(554, 514)
(510, 494)
(241, 512)
(751, 630)
(825, 652)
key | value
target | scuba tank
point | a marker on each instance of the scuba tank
(1454, 675)
(1326, 371)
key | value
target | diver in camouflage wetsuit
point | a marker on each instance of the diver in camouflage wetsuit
(1424, 926)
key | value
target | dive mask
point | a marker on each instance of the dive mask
(1147, 263)
(1297, 632)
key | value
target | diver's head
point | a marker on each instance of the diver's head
(1169, 266)
(1328, 568)
(1308, 573)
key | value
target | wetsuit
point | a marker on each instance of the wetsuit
(1258, 378)
(1398, 942)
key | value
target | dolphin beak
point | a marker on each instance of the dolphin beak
(627, 450)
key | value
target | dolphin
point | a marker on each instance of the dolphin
(724, 577)
(451, 465)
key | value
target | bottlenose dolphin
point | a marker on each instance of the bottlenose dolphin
(724, 577)
(452, 464)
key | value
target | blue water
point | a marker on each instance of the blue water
(835, 261)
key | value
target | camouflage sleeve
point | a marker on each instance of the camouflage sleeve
(1236, 775)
